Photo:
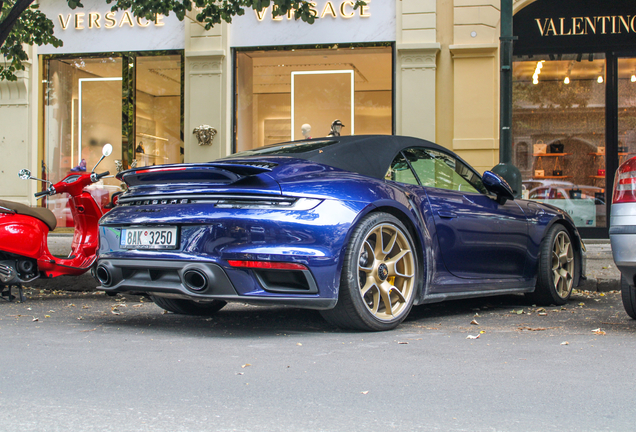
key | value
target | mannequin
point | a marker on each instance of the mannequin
(336, 127)
(306, 130)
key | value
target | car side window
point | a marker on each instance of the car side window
(400, 171)
(440, 170)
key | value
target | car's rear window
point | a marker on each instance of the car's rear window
(286, 148)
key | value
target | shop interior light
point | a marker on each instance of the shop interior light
(566, 80)
(537, 72)
(600, 79)
(633, 78)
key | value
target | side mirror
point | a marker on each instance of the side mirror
(24, 174)
(107, 150)
(497, 185)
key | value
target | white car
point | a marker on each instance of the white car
(623, 231)
(579, 201)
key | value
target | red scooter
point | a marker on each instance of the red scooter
(24, 251)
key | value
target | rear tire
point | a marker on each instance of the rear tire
(189, 307)
(379, 276)
(556, 268)
(628, 294)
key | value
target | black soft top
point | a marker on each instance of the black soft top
(369, 155)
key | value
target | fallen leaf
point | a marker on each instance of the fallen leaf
(532, 329)
(565, 343)
(88, 330)
(474, 322)
(115, 312)
(598, 331)
(138, 305)
(473, 337)
(365, 392)
(36, 319)
(246, 365)
(240, 373)
(299, 344)
(402, 343)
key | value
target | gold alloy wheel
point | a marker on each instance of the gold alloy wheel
(562, 264)
(386, 269)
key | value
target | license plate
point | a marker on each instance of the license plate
(149, 238)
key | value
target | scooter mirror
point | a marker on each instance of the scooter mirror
(107, 150)
(24, 174)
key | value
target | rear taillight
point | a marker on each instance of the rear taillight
(625, 183)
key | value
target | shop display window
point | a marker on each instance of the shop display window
(295, 94)
(131, 101)
(559, 133)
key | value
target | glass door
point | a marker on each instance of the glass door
(626, 108)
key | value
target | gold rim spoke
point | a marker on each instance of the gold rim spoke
(386, 299)
(391, 244)
(370, 284)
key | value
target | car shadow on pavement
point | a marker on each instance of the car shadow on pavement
(239, 320)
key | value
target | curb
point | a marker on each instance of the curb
(600, 285)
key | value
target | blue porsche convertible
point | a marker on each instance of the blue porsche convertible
(361, 228)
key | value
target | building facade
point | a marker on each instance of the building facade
(424, 68)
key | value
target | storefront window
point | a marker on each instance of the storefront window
(285, 95)
(559, 133)
(86, 107)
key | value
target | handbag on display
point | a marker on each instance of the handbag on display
(575, 194)
(556, 147)
(539, 173)
(600, 172)
(557, 172)
(622, 149)
(540, 147)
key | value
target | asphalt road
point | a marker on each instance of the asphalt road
(73, 361)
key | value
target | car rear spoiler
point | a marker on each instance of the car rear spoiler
(214, 172)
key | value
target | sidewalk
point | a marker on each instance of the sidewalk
(602, 274)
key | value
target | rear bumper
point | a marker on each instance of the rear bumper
(195, 281)
(623, 240)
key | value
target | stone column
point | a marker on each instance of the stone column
(206, 98)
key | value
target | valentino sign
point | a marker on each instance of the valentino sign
(575, 26)
(578, 26)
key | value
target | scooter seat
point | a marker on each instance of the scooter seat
(41, 213)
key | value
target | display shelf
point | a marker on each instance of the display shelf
(550, 177)
(550, 154)
(597, 177)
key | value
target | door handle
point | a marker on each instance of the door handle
(446, 214)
